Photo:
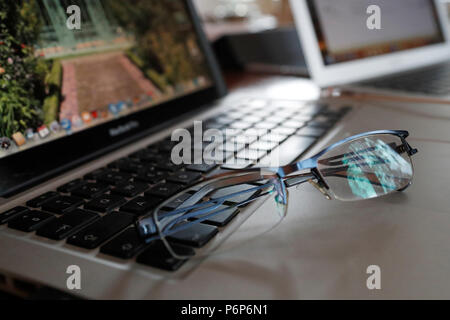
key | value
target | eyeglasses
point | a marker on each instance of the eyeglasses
(365, 166)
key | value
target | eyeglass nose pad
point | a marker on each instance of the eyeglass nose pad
(320, 188)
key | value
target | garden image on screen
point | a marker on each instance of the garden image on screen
(57, 79)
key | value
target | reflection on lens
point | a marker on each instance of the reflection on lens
(366, 168)
(217, 219)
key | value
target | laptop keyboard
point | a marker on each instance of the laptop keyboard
(99, 209)
(433, 80)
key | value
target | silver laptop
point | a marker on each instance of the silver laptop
(391, 47)
(94, 93)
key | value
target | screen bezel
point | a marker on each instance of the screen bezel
(28, 168)
(372, 67)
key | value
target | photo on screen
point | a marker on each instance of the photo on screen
(57, 79)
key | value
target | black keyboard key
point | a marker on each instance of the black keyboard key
(245, 139)
(228, 146)
(125, 246)
(131, 167)
(141, 205)
(302, 118)
(105, 203)
(62, 204)
(211, 124)
(236, 189)
(200, 146)
(274, 137)
(166, 146)
(203, 168)
(276, 118)
(114, 178)
(221, 219)
(237, 164)
(168, 165)
(266, 125)
(251, 154)
(151, 150)
(101, 230)
(293, 124)
(284, 131)
(253, 118)
(67, 225)
(178, 201)
(288, 151)
(151, 158)
(11, 214)
(264, 145)
(152, 176)
(320, 123)
(30, 221)
(72, 185)
(311, 132)
(130, 189)
(184, 177)
(90, 190)
(218, 157)
(128, 165)
(197, 236)
(242, 125)
(95, 174)
(164, 190)
(39, 201)
(157, 256)
(223, 119)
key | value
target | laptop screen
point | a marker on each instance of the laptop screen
(344, 34)
(70, 65)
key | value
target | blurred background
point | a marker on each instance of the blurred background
(233, 16)
(255, 35)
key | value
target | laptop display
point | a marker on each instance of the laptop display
(73, 65)
(341, 29)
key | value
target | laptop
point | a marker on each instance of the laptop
(385, 47)
(99, 88)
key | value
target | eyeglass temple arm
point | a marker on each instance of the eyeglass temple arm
(289, 181)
